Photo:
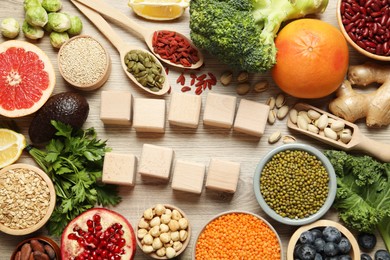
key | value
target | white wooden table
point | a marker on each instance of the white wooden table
(197, 145)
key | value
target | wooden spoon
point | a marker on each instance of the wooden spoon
(358, 142)
(121, 46)
(146, 33)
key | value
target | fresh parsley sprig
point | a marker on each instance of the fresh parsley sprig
(73, 159)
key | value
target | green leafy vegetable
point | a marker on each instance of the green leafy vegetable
(74, 162)
(241, 32)
(363, 192)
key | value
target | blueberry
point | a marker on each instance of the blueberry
(344, 257)
(306, 238)
(318, 257)
(319, 244)
(331, 234)
(331, 258)
(365, 257)
(316, 233)
(296, 249)
(382, 255)
(366, 240)
(344, 245)
(306, 252)
(331, 249)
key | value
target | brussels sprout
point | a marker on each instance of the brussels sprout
(32, 32)
(10, 28)
(76, 25)
(30, 3)
(52, 5)
(58, 38)
(36, 16)
(59, 22)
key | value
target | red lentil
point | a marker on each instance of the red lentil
(237, 236)
(175, 48)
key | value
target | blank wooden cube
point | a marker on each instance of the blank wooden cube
(184, 110)
(119, 169)
(149, 115)
(188, 176)
(219, 110)
(251, 118)
(156, 161)
(223, 175)
(115, 107)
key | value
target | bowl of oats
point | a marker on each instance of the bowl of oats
(28, 199)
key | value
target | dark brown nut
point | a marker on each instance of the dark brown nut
(37, 246)
(17, 255)
(40, 256)
(50, 251)
(25, 251)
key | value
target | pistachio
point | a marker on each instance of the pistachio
(322, 122)
(274, 137)
(288, 139)
(271, 102)
(302, 123)
(313, 115)
(226, 78)
(271, 117)
(293, 115)
(261, 86)
(282, 112)
(346, 136)
(305, 116)
(330, 133)
(312, 128)
(280, 100)
(243, 88)
(242, 76)
(337, 125)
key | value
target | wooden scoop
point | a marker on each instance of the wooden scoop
(358, 141)
(146, 33)
(121, 46)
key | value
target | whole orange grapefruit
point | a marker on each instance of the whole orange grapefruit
(312, 58)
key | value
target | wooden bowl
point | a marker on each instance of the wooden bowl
(43, 240)
(51, 205)
(185, 243)
(238, 212)
(351, 42)
(354, 253)
(87, 86)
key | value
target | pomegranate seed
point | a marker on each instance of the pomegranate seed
(103, 244)
(122, 242)
(104, 253)
(91, 229)
(117, 236)
(111, 230)
(89, 223)
(72, 236)
(98, 227)
(121, 232)
(96, 218)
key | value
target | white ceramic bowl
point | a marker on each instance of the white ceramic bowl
(238, 212)
(332, 184)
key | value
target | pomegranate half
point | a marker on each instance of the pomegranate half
(98, 233)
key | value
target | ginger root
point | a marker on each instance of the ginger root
(374, 106)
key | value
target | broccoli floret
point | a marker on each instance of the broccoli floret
(241, 33)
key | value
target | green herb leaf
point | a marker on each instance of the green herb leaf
(74, 160)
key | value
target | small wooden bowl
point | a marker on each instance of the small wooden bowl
(351, 42)
(90, 86)
(42, 239)
(185, 243)
(354, 253)
(50, 208)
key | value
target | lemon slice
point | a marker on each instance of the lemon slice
(11, 146)
(159, 9)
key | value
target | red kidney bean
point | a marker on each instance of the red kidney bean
(367, 23)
